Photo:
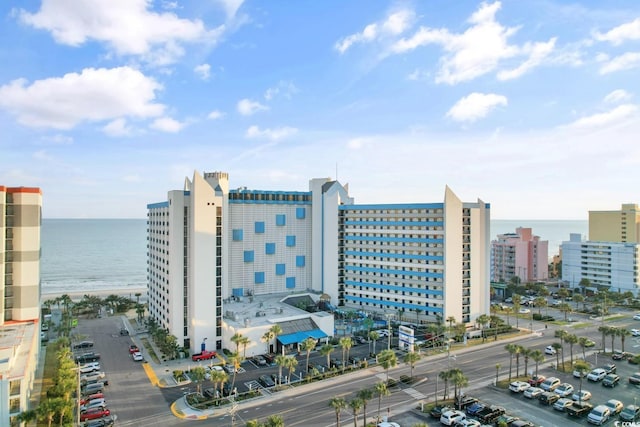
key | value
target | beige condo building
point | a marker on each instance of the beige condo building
(615, 226)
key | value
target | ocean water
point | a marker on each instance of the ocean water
(94, 255)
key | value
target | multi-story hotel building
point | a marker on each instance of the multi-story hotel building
(615, 226)
(610, 265)
(521, 255)
(20, 220)
(211, 247)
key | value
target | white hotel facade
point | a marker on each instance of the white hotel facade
(210, 247)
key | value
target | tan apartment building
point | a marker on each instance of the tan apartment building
(615, 226)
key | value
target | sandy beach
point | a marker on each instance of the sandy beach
(77, 296)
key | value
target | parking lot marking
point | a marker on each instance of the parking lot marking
(151, 374)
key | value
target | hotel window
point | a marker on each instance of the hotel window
(248, 256)
(291, 241)
(300, 261)
(270, 248)
(237, 235)
(281, 220)
(259, 227)
(280, 269)
(259, 277)
(291, 282)
(300, 213)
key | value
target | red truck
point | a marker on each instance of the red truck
(205, 355)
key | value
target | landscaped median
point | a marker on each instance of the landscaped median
(181, 409)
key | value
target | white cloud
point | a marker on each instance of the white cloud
(167, 124)
(93, 95)
(617, 96)
(247, 107)
(215, 115)
(131, 178)
(118, 127)
(58, 139)
(231, 6)
(272, 134)
(128, 27)
(537, 53)
(358, 143)
(283, 88)
(396, 23)
(614, 116)
(475, 106)
(626, 61)
(621, 33)
(42, 155)
(203, 71)
(478, 50)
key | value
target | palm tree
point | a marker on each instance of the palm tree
(562, 334)
(387, 359)
(235, 361)
(459, 380)
(564, 308)
(374, 336)
(218, 377)
(197, 375)
(346, 344)
(517, 299)
(308, 345)
(623, 333)
(274, 421)
(338, 404)
(482, 320)
(326, 350)
(451, 320)
(410, 359)
(266, 338)
(244, 342)
(613, 331)
(540, 302)
(291, 363)
(582, 342)
(604, 330)
(578, 298)
(518, 352)
(582, 367)
(237, 338)
(526, 353)
(281, 361)
(276, 330)
(365, 395)
(511, 349)
(571, 339)
(537, 356)
(497, 372)
(445, 375)
(381, 390)
(558, 348)
(355, 405)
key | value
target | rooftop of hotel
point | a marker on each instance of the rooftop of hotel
(261, 310)
(15, 345)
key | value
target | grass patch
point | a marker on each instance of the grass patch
(49, 371)
(150, 350)
(581, 325)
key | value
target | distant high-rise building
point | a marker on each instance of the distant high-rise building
(615, 226)
(20, 220)
(521, 255)
(209, 245)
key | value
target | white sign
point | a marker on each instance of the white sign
(405, 338)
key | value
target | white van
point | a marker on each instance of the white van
(449, 418)
(93, 388)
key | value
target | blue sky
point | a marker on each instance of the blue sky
(529, 105)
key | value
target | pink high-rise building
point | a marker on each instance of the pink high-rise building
(519, 254)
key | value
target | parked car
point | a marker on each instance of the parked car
(133, 349)
(635, 378)
(548, 398)
(468, 422)
(438, 410)
(562, 403)
(550, 384)
(518, 386)
(599, 415)
(266, 381)
(522, 423)
(87, 378)
(464, 400)
(92, 414)
(449, 418)
(536, 380)
(474, 408)
(581, 395)
(91, 397)
(259, 360)
(533, 392)
(87, 358)
(609, 368)
(611, 380)
(615, 406)
(89, 367)
(635, 332)
(621, 355)
(137, 356)
(581, 373)
(83, 344)
(107, 421)
(549, 350)
(578, 409)
(597, 374)
(564, 390)
(630, 413)
(636, 316)
(95, 403)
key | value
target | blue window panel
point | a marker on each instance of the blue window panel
(258, 277)
(259, 227)
(280, 269)
(248, 256)
(270, 248)
(237, 235)
(301, 213)
(291, 282)
(300, 261)
(291, 241)
(237, 292)
(281, 220)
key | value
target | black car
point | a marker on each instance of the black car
(266, 381)
(548, 398)
(630, 413)
(610, 368)
(611, 380)
(87, 358)
(463, 401)
(83, 344)
(438, 410)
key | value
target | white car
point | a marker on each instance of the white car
(549, 350)
(635, 332)
(89, 367)
(449, 418)
(533, 392)
(564, 390)
(524, 311)
(599, 415)
(562, 403)
(388, 424)
(581, 396)
(518, 386)
(92, 376)
(137, 356)
(209, 369)
(636, 317)
(597, 374)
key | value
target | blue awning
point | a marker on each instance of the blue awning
(301, 336)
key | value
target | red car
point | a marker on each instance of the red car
(91, 397)
(536, 380)
(133, 348)
(94, 413)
